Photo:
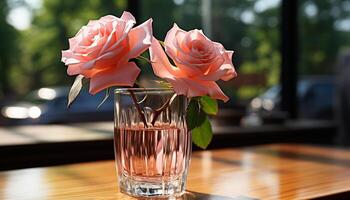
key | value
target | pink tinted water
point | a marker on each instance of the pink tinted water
(152, 154)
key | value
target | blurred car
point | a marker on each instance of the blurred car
(315, 99)
(49, 105)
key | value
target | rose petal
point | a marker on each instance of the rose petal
(73, 70)
(98, 51)
(231, 72)
(129, 19)
(72, 42)
(107, 59)
(119, 31)
(215, 92)
(174, 37)
(121, 34)
(113, 36)
(199, 63)
(92, 22)
(176, 50)
(108, 19)
(120, 75)
(160, 63)
(216, 75)
(194, 88)
(69, 58)
(202, 66)
(126, 16)
(140, 39)
(67, 54)
(170, 36)
(184, 86)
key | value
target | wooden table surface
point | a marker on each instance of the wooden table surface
(277, 171)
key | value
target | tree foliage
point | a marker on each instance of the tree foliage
(30, 59)
(41, 45)
(8, 49)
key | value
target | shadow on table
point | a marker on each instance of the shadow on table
(189, 195)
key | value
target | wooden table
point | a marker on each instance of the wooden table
(262, 172)
(83, 142)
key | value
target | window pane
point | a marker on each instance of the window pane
(250, 28)
(324, 43)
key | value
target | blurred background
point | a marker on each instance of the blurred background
(291, 57)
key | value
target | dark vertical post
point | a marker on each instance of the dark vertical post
(289, 53)
(4, 81)
(134, 8)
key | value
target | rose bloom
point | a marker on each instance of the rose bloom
(199, 63)
(101, 51)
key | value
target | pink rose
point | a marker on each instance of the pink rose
(101, 51)
(199, 63)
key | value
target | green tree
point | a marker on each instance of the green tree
(52, 25)
(320, 39)
(8, 50)
(253, 33)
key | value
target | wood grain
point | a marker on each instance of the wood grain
(261, 172)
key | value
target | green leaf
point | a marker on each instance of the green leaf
(194, 116)
(198, 123)
(75, 89)
(163, 84)
(209, 105)
(104, 99)
(203, 134)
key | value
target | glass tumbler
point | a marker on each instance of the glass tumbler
(151, 142)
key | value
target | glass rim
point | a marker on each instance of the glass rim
(122, 90)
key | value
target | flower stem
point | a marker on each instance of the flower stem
(139, 110)
(158, 111)
(161, 43)
(144, 58)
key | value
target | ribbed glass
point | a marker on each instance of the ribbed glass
(151, 159)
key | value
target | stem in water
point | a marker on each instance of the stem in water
(158, 111)
(139, 110)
